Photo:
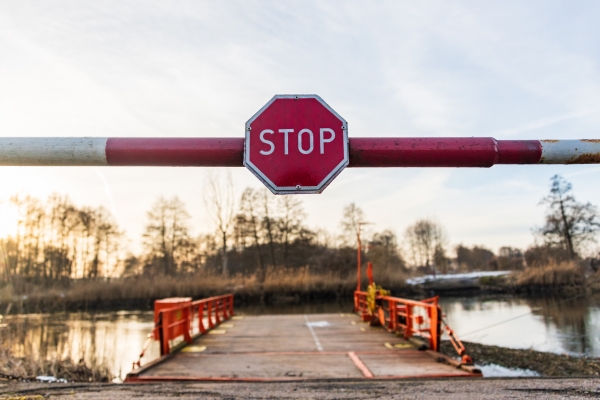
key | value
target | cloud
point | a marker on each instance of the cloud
(434, 68)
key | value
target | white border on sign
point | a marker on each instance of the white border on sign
(293, 189)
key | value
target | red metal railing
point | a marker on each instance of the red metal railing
(216, 310)
(406, 317)
(178, 321)
(422, 318)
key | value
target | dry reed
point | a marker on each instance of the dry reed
(561, 274)
(141, 291)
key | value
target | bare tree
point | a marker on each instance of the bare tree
(28, 260)
(383, 251)
(351, 222)
(248, 224)
(273, 227)
(219, 201)
(105, 236)
(290, 222)
(477, 258)
(268, 221)
(426, 240)
(569, 224)
(57, 240)
(62, 247)
(166, 238)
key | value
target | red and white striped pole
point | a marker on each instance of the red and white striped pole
(229, 152)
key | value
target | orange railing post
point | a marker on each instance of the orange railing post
(217, 306)
(433, 328)
(393, 307)
(164, 332)
(201, 306)
(409, 322)
(209, 306)
(226, 307)
(187, 316)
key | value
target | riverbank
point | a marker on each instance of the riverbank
(554, 279)
(449, 389)
(545, 364)
(280, 287)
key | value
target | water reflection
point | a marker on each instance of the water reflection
(116, 338)
(556, 325)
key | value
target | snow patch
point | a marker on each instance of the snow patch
(471, 275)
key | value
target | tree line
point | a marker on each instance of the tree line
(56, 240)
(256, 232)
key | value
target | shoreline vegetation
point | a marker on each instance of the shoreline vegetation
(279, 287)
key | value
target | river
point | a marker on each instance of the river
(570, 326)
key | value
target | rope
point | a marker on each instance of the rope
(138, 363)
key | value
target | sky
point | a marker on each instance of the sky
(510, 70)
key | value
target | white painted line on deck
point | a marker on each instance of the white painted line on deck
(314, 335)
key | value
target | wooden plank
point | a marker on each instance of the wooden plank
(257, 365)
(407, 364)
(316, 346)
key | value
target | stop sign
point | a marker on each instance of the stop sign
(296, 144)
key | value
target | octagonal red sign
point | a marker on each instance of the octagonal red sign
(296, 144)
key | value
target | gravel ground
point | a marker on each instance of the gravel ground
(530, 388)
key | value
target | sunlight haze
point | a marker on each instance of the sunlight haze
(510, 70)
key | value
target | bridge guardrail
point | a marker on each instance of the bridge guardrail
(178, 321)
(407, 317)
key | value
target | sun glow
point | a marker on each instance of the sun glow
(9, 219)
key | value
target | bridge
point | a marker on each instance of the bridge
(387, 338)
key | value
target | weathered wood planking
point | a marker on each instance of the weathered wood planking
(290, 347)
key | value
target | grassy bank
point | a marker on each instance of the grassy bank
(551, 276)
(556, 278)
(546, 364)
(281, 286)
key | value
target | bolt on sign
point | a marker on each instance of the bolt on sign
(296, 144)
